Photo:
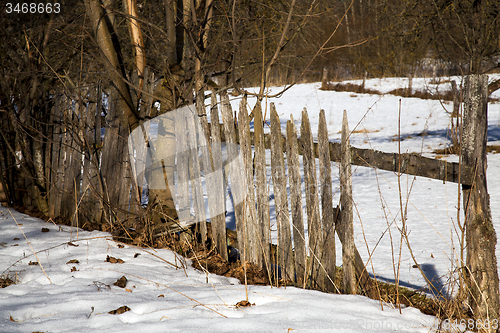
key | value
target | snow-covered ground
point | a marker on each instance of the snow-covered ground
(165, 294)
(63, 296)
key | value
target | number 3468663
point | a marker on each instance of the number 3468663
(32, 8)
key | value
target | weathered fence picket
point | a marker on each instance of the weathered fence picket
(327, 213)
(294, 178)
(182, 153)
(234, 169)
(55, 189)
(313, 218)
(262, 196)
(216, 200)
(346, 221)
(194, 175)
(250, 252)
(284, 252)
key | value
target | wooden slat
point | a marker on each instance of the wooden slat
(182, 155)
(216, 199)
(194, 173)
(115, 164)
(98, 186)
(251, 251)
(285, 253)
(71, 165)
(346, 222)
(236, 173)
(411, 163)
(313, 218)
(56, 187)
(86, 206)
(262, 198)
(327, 217)
(294, 177)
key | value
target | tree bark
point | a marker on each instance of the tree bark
(102, 34)
(481, 263)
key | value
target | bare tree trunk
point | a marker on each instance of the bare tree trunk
(481, 269)
(170, 11)
(124, 104)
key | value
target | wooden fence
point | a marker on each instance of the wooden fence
(90, 180)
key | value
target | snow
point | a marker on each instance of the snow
(55, 297)
(164, 293)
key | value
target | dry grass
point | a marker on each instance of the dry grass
(5, 282)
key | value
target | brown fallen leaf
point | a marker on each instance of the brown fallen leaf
(121, 282)
(12, 319)
(31, 263)
(120, 246)
(128, 290)
(45, 229)
(242, 304)
(114, 260)
(73, 261)
(161, 295)
(73, 244)
(73, 269)
(136, 255)
(120, 310)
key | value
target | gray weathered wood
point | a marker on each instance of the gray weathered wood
(313, 218)
(194, 173)
(251, 250)
(481, 271)
(72, 165)
(284, 253)
(327, 217)
(115, 165)
(411, 163)
(262, 198)
(88, 198)
(216, 197)
(346, 222)
(56, 187)
(182, 156)
(236, 173)
(299, 240)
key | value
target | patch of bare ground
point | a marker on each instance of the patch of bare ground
(5, 282)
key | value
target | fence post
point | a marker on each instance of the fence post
(194, 174)
(284, 250)
(217, 200)
(251, 252)
(313, 219)
(56, 179)
(481, 263)
(327, 216)
(235, 173)
(299, 241)
(346, 227)
(262, 195)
